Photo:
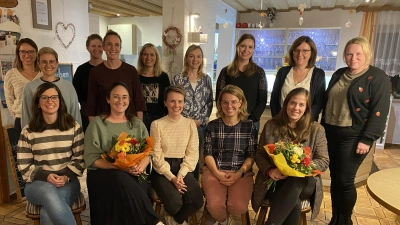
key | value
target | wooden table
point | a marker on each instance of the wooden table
(384, 187)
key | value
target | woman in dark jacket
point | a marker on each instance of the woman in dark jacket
(301, 73)
(354, 116)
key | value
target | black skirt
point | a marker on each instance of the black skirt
(117, 198)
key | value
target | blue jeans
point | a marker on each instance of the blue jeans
(55, 201)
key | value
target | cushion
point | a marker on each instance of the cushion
(35, 209)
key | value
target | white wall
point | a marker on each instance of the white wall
(314, 19)
(61, 12)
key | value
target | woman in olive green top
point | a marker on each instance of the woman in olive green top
(116, 196)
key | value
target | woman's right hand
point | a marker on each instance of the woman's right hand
(276, 175)
(56, 180)
(179, 183)
(221, 176)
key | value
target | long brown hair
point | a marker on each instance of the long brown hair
(64, 120)
(17, 61)
(303, 126)
(129, 117)
(233, 68)
(200, 73)
(300, 40)
(236, 91)
(158, 67)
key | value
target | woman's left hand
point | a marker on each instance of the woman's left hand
(231, 178)
(362, 148)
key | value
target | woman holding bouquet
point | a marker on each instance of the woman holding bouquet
(50, 156)
(116, 196)
(295, 123)
(176, 154)
(230, 147)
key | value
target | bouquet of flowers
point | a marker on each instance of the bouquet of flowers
(129, 151)
(291, 159)
(272, 13)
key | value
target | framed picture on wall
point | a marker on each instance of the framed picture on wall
(41, 14)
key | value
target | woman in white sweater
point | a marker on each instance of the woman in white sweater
(175, 157)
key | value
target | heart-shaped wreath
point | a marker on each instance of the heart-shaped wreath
(70, 25)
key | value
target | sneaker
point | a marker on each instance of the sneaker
(160, 223)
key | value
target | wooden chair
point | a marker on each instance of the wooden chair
(245, 216)
(305, 208)
(33, 211)
(155, 199)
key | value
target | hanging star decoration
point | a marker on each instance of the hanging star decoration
(301, 9)
(262, 14)
(351, 11)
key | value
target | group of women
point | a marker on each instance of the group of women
(115, 97)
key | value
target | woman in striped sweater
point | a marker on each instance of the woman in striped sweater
(50, 156)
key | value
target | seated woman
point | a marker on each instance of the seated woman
(116, 196)
(176, 145)
(50, 156)
(230, 147)
(294, 122)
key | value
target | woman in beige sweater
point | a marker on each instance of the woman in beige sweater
(175, 157)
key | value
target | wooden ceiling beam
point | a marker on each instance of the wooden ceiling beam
(139, 5)
(116, 9)
(377, 9)
(102, 13)
(357, 9)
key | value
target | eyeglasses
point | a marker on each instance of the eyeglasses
(233, 103)
(30, 52)
(45, 98)
(116, 98)
(303, 51)
(44, 62)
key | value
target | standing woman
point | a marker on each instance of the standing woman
(230, 147)
(50, 156)
(301, 72)
(110, 71)
(81, 78)
(175, 157)
(116, 196)
(153, 81)
(198, 89)
(48, 64)
(26, 69)
(356, 107)
(245, 74)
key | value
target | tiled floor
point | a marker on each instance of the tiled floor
(366, 212)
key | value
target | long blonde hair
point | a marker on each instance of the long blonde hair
(236, 91)
(158, 68)
(200, 73)
(233, 68)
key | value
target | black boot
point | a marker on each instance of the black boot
(335, 217)
(345, 220)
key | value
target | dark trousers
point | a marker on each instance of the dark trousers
(180, 206)
(148, 118)
(201, 132)
(286, 199)
(343, 166)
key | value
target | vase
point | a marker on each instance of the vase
(271, 24)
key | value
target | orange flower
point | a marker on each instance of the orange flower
(271, 148)
(122, 142)
(307, 151)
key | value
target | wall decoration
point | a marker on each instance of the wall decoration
(41, 14)
(8, 15)
(72, 27)
(272, 13)
(172, 38)
(6, 65)
(65, 71)
(8, 3)
(8, 41)
(301, 9)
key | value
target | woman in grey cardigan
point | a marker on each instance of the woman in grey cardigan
(294, 122)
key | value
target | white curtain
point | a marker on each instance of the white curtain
(387, 42)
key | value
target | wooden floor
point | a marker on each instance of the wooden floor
(366, 212)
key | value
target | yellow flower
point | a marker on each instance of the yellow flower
(295, 158)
